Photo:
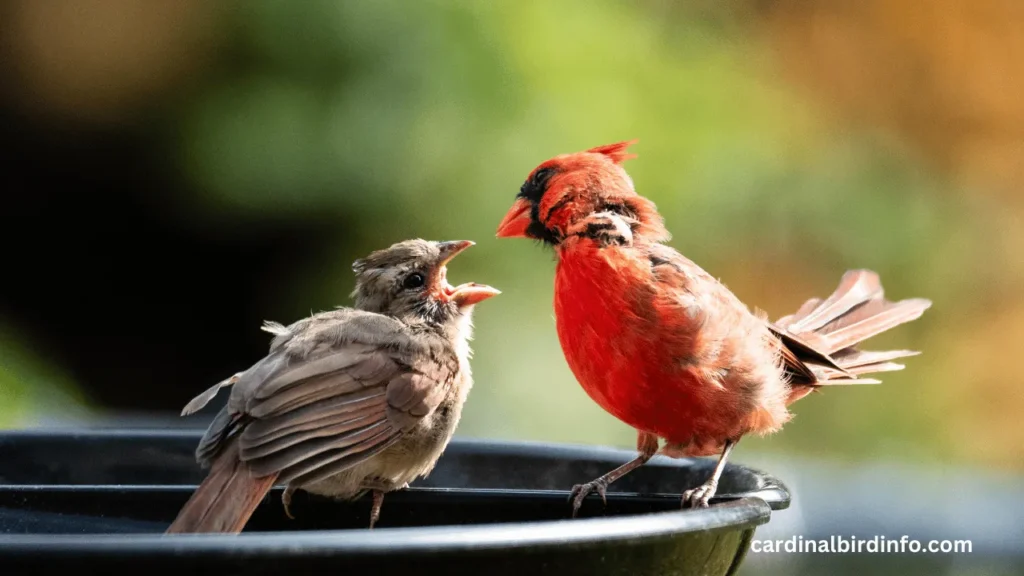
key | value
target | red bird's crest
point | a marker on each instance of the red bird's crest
(616, 152)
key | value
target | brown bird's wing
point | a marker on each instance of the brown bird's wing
(336, 389)
(819, 341)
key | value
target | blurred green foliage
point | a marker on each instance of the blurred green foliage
(398, 119)
(28, 384)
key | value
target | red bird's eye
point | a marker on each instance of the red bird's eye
(536, 185)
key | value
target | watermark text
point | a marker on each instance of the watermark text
(853, 545)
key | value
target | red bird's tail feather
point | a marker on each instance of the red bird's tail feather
(819, 341)
(226, 498)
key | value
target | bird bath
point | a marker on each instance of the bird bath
(94, 500)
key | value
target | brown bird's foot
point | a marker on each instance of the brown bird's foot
(378, 500)
(286, 501)
(581, 491)
(698, 497)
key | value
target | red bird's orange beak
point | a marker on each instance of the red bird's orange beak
(516, 221)
(466, 294)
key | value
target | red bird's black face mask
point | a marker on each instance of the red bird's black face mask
(527, 205)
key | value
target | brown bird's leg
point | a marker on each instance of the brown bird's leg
(646, 444)
(379, 487)
(378, 500)
(698, 497)
(286, 500)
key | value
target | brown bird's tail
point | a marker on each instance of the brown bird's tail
(819, 341)
(226, 498)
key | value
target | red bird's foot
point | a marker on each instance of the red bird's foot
(698, 497)
(581, 491)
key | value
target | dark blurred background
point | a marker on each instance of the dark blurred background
(178, 171)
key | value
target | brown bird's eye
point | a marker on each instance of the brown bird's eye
(414, 280)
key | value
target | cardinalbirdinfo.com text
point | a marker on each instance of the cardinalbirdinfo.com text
(853, 545)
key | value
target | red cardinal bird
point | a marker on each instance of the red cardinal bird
(665, 347)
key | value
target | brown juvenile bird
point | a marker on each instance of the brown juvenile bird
(347, 401)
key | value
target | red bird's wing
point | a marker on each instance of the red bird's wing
(677, 272)
(818, 342)
(718, 320)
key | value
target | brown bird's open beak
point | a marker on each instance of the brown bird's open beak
(516, 221)
(451, 249)
(466, 294)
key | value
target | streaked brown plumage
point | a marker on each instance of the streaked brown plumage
(347, 401)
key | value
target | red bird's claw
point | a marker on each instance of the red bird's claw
(699, 497)
(581, 491)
